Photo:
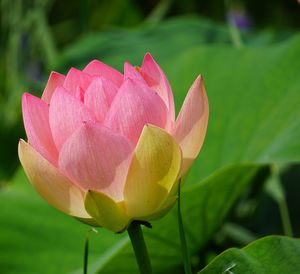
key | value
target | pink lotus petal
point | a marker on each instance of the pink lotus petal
(156, 79)
(55, 79)
(134, 106)
(66, 114)
(132, 72)
(97, 158)
(36, 122)
(99, 96)
(76, 78)
(97, 68)
(191, 123)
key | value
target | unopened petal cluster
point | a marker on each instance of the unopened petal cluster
(105, 147)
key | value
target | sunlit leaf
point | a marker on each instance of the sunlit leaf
(272, 254)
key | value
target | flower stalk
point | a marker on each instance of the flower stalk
(183, 243)
(139, 246)
(86, 253)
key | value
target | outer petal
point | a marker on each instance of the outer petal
(99, 96)
(55, 79)
(98, 68)
(55, 188)
(191, 123)
(36, 122)
(134, 106)
(164, 209)
(76, 79)
(106, 211)
(156, 79)
(153, 171)
(97, 159)
(66, 114)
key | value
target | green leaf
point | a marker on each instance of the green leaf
(269, 255)
(254, 102)
(34, 235)
(115, 46)
(183, 244)
(36, 238)
(204, 206)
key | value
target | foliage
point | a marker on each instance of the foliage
(272, 254)
(229, 198)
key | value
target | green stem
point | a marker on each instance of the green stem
(184, 249)
(286, 222)
(86, 253)
(139, 246)
(276, 190)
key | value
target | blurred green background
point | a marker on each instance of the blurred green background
(248, 52)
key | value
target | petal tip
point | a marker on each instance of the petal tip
(21, 141)
(55, 74)
(26, 96)
(93, 62)
(148, 56)
(199, 82)
(72, 70)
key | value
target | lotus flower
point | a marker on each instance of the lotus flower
(105, 147)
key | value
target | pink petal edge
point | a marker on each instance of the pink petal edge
(132, 73)
(191, 123)
(158, 81)
(36, 123)
(76, 79)
(97, 68)
(55, 79)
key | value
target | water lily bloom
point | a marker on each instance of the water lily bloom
(105, 147)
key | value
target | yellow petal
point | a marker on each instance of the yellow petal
(54, 187)
(163, 210)
(91, 222)
(153, 171)
(106, 211)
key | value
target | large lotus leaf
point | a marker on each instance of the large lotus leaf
(204, 207)
(254, 96)
(115, 46)
(254, 100)
(35, 238)
(272, 254)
